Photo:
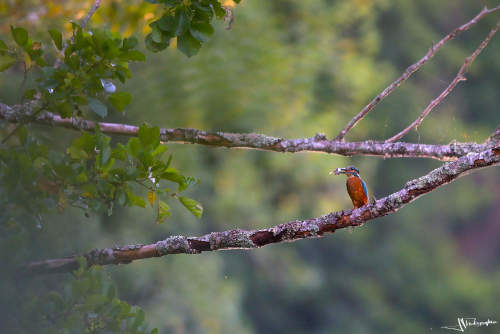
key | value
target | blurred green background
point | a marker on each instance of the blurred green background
(293, 68)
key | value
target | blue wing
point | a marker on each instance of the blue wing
(364, 188)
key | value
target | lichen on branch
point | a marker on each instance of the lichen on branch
(287, 232)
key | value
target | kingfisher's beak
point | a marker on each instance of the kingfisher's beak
(337, 171)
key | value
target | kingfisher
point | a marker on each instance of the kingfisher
(356, 187)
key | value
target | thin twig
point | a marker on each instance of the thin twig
(412, 69)
(84, 23)
(459, 77)
(287, 232)
(318, 143)
(23, 83)
(93, 9)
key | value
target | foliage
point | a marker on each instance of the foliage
(91, 174)
(87, 303)
(189, 21)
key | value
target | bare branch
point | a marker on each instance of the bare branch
(460, 77)
(412, 69)
(318, 143)
(287, 232)
(93, 9)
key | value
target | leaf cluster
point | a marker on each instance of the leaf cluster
(89, 305)
(82, 77)
(93, 175)
(188, 21)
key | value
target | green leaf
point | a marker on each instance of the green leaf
(98, 107)
(81, 178)
(133, 55)
(193, 206)
(3, 46)
(56, 37)
(160, 149)
(22, 134)
(155, 47)
(170, 3)
(104, 44)
(149, 135)
(156, 34)
(139, 318)
(136, 200)
(85, 142)
(120, 100)
(121, 197)
(219, 11)
(173, 175)
(29, 94)
(163, 212)
(202, 31)
(111, 292)
(77, 153)
(187, 44)
(151, 198)
(6, 62)
(169, 161)
(167, 24)
(104, 154)
(181, 21)
(64, 109)
(133, 146)
(130, 43)
(154, 331)
(20, 35)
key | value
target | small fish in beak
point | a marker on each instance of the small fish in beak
(337, 171)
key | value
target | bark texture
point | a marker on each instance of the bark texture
(318, 143)
(287, 232)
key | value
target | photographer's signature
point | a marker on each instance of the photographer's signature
(464, 323)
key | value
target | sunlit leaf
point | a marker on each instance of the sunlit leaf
(159, 150)
(151, 197)
(163, 212)
(193, 206)
(20, 35)
(149, 135)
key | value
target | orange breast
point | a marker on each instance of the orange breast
(356, 192)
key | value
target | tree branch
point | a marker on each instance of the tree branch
(287, 232)
(459, 77)
(91, 12)
(412, 69)
(318, 143)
